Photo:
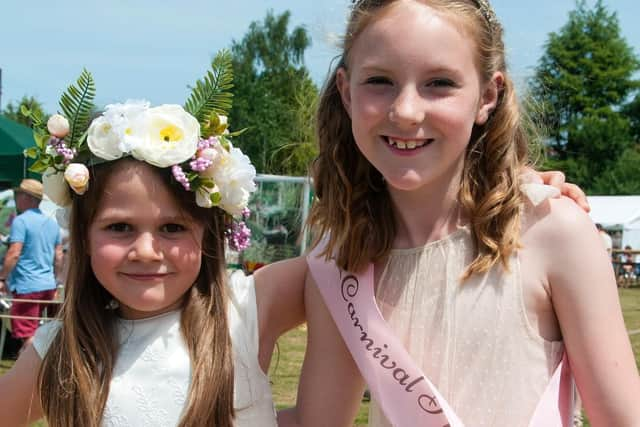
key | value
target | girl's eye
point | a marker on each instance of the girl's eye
(378, 80)
(119, 227)
(441, 83)
(173, 228)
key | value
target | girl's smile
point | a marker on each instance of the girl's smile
(406, 147)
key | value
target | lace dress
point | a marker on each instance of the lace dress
(472, 339)
(152, 373)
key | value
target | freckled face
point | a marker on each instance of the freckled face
(413, 92)
(144, 250)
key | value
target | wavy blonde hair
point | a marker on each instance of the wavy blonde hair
(75, 374)
(352, 200)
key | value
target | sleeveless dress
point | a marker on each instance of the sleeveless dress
(152, 373)
(471, 339)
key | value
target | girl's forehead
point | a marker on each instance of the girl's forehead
(412, 31)
(136, 187)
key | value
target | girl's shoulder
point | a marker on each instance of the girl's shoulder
(556, 227)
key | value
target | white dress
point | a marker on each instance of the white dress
(152, 373)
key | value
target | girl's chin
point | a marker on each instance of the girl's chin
(408, 181)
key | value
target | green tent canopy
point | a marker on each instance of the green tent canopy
(14, 139)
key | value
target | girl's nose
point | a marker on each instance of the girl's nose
(144, 248)
(407, 109)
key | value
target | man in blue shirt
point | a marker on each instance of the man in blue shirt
(29, 266)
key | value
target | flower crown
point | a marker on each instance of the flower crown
(193, 141)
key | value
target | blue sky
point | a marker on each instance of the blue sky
(154, 49)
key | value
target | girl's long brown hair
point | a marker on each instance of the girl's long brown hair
(352, 206)
(76, 372)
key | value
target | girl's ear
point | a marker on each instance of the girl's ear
(342, 82)
(489, 98)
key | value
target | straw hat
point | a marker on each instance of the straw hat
(31, 187)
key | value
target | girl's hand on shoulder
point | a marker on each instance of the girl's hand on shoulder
(586, 302)
(558, 180)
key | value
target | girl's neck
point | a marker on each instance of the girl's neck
(426, 214)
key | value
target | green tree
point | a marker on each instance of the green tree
(583, 80)
(270, 79)
(632, 112)
(622, 177)
(299, 152)
(12, 111)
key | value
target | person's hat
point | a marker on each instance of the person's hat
(31, 187)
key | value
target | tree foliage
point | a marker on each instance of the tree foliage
(272, 85)
(583, 80)
(13, 110)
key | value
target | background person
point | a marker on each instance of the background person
(34, 253)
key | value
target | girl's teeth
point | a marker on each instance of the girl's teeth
(408, 145)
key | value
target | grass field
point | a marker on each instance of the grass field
(287, 359)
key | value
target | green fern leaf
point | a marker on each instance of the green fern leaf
(76, 104)
(212, 93)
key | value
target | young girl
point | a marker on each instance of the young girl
(482, 285)
(151, 332)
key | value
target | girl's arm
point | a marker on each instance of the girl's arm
(19, 396)
(586, 302)
(331, 387)
(280, 301)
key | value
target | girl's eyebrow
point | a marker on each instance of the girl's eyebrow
(116, 216)
(373, 69)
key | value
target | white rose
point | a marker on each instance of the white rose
(103, 140)
(58, 126)
(172, 136)
(77, 175)
(234, 175)
(55, 187)
(129, 122)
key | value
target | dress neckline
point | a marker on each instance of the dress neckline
(461, 232)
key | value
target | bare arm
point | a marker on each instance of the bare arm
(10, 261)
(280, 300)
(331, 387)
(58, 260)
(19, 397)
(586, 302)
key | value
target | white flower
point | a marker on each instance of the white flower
(77, 175)
(58, 126)
(129, 121)
(103, 140)
(233, 173)
(171, 136)
(55, 187)
(117, 130)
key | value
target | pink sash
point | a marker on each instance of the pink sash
(405, 394)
